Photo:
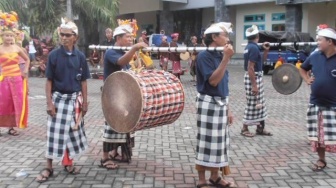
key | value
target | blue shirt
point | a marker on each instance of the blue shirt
(111, 62)
(252, 53)
(67, 70)
(207, 63)
(323, 89)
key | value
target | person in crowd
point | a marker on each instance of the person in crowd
(321, 113)
(255, 112)
(67, 102)
(213, 114)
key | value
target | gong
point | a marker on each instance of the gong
(286, 79)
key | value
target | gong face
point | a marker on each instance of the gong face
(286, 79)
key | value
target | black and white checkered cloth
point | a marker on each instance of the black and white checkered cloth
(60, 135)
(111, 136)
(213, 132)
(329, 123)
(252, 115)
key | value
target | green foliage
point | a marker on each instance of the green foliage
(45, 15)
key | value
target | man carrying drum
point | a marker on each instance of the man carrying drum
(213, 115)
(117, 60)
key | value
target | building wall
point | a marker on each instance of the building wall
(135, 6)
(266, 9)
(144, 20)
(318, 13)
(192, 4)
(240, 2)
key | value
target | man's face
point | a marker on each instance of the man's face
(222, 39)
(175, 39)
(109, 34)
(323, 44)
(125, 40)
(68, 37)
(194, 40)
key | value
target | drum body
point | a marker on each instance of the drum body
(135, 101)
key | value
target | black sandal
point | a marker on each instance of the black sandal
(43, 177)
(317, 168)
(13, 132)
(71, 171)
(262, 132)
(218, 185)
(202, 185)
(104, 165)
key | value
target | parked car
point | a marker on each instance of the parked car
(289, 54)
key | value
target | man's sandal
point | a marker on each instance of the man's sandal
(263, 132)
(202, 185)
(246, 133)
(43, 177)
(218, 185)
(71, 170)
(13, 132)
(108, 164)
(317, 168)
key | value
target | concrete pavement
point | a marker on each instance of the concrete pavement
(164, 156)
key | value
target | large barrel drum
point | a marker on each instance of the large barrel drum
(135, 101)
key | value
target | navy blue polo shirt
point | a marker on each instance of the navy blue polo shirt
(63, 69)
(252, 53)
(111, 62)
(323, 89)
(207, 63)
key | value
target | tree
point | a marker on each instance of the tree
(44, 16)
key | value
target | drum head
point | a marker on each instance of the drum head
(121, 101)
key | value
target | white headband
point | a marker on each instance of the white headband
(122, 30)
(219, 27)
(69, 25)
(328, 32)
(252, 31)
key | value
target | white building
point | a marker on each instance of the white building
(267, 14)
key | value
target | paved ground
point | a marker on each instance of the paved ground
(164, 156)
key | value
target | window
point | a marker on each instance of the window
(260, 27)
(254, 18)
(278, 16)
(278, 27)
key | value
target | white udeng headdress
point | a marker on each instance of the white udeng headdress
(252, 31)
(219, 27)
(66, 24)
(328, 32)
(122, 29)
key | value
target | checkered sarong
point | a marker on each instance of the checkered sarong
(60, 135)
(329, 123)
(212, 141)
(252, 115)
(111, 136)
(114, 140)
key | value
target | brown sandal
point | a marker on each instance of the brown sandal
(318, 168)
(45, 178)
(246, 133)
(105, 164)
(71, 170)
(262, 132)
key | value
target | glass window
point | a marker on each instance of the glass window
(278, 27)
(254, 18)
(278, 16)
